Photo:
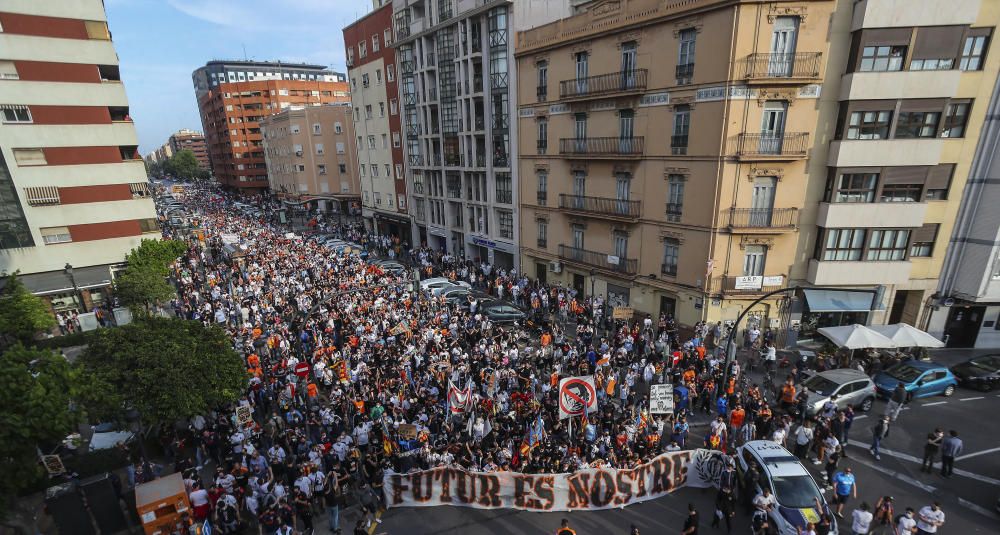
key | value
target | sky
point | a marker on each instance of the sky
(161, 42)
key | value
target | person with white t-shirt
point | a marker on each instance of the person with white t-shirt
(906, 525)
(929, 519)
(861, 520)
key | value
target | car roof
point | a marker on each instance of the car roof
(924, 365)
(842, 375)
(775, 459)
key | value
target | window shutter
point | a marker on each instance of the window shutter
(939, 176)
(42, 195)
(934, 42)
(926, 233)
(904, 175)
(886, 37)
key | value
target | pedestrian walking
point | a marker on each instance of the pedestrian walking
(951, 447)
(931, 448)
(906, 524)
(896, 402)
(879, 432)
(929, 519)
(803, 438)
(845, 487)
(725, 508)
(861, 520)
(691, 522)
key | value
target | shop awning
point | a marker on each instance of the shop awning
(54, 282)
(838, 301)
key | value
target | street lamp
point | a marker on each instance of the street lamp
(76, 289)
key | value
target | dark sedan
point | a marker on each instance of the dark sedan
(500, 312)
(981, 373)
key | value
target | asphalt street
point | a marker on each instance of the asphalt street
(969, 497)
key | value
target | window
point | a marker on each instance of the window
(26, 157)
(887, 245)
(378, 76)
(939, 182)
(399, 171)
(955, 118)
(393, 107)
(294, 129)
(685, 54)
(357, 114)
(371, 142)
(543, 136)
(386, 40)
(374, 170)
(42, 195)
(362, 49)
(381, 109)
(319, 148)
(621, 246)
(578, 236)
(350, 58)
(882, 58)
(543, 80)
(754, 257)
(972, 56)
(856, 187)
(682, 125)
(368, 111)
(321, 169)
(844, 244)
(97, 29)
(385, 141)
(671, 253)
(901, 193)
(375, 43)
(297, 149)
(388, 171)
(506, 219)
(361, 169)
(337, 128)
(543, 188)
(343, 168)
(675, 197)
(364, 80)
(340, 147)
(934, 64)
(543, 232)
(504, 188)
(378, 198)
(15, 114)
(317, 129)
(390, 73)
(869, 125)
(8, 71)
(396, 142)
(140, 190)
(913, 124)
(149, 225)
(51, 235)
(923, 240)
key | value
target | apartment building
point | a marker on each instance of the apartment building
(371, 71)
(458, 78)
(723, 171)
(233, 96)
(311, 156)
(74, 196)
(193, 141)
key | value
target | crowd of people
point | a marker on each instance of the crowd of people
(349, 372)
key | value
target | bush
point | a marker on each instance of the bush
(78, 338)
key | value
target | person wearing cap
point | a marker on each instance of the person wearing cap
(879, 432)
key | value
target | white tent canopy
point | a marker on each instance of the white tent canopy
(856, 337)
(905, 335)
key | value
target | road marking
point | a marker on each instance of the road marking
(977, 508)
(978, 453)
(970, 399)
(895, 475)
(378, 515)
(861, 417)
(932, 404)
(912, 459)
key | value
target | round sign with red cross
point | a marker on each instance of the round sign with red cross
(576, 396)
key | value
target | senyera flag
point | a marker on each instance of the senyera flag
(577, 396)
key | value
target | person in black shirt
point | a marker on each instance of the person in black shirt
(725, 508)
(691, 522)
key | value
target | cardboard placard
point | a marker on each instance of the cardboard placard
(661, 399)
(244, 414)
(407, 431)
(622, 313)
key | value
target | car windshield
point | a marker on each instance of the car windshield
(795, 491)
(903, 372)
(819, 384)
(990, 363)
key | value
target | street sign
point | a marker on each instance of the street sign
(749, 283)
(244, 414)
(622, 313)
(302, 369)
(661, 399)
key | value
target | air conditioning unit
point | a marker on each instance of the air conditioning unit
(555, 266)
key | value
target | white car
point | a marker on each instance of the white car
(436, 284)
(792, 486)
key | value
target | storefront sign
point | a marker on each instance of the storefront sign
(749, 283)
(484, 242)
(438, 232)
(776, 280)
(591, 489)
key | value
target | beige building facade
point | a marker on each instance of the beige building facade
(686, 158)
(311, 155)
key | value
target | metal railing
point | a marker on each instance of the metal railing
(600, 205)
(543, 243)
(727, 285)
(599, 260)
(763, 217)
(679, 141)
(543, 93)
(543, 146)
(603, 146)
(784, 65)
(604, 84)
(542, 197)
(684, 71)
(783, 144)
(674, 211)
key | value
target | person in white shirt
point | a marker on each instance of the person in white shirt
(861, 520)
(930, 518)
(906, 525)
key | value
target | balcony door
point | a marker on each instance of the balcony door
(626, 129)
(783, 38)
(622, 187)
(754, 257)
(577, 240)
(762, 203)
(582, 68)
(772, 128)
(621, 249)
(579, 189)
(580, 133)
(628, 65)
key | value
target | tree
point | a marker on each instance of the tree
(144, 283)
(166, 368)
(35, 391)
(22, 315)
(183, 164)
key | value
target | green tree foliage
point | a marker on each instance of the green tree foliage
(35, 390)
(184, 165)
(167, 369)
(22, 315)
(144, 283)
(156, 255)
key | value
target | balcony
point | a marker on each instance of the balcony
(745, 285)
(763, 220)
(543, 146)
(542, 93)
(784, 146)
(603, 147)
(602, 261)
(542, 197)
(685, 71)
(619, 83)
(790, 68)
(602, 206)
(874, 215)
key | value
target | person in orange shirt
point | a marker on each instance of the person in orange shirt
(546, 339)
(736, 417)
(311, 390)
(701, 352)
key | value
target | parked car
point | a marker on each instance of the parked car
(921, 379)
(852, 387)
(502, 312)
(981, 373)
(391, 266)
(794, 489)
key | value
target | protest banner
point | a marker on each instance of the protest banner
(661, 399)
(407, 431)
(591, 489)
(577, 396)
(622, 313)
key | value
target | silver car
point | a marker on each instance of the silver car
(850, 386)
